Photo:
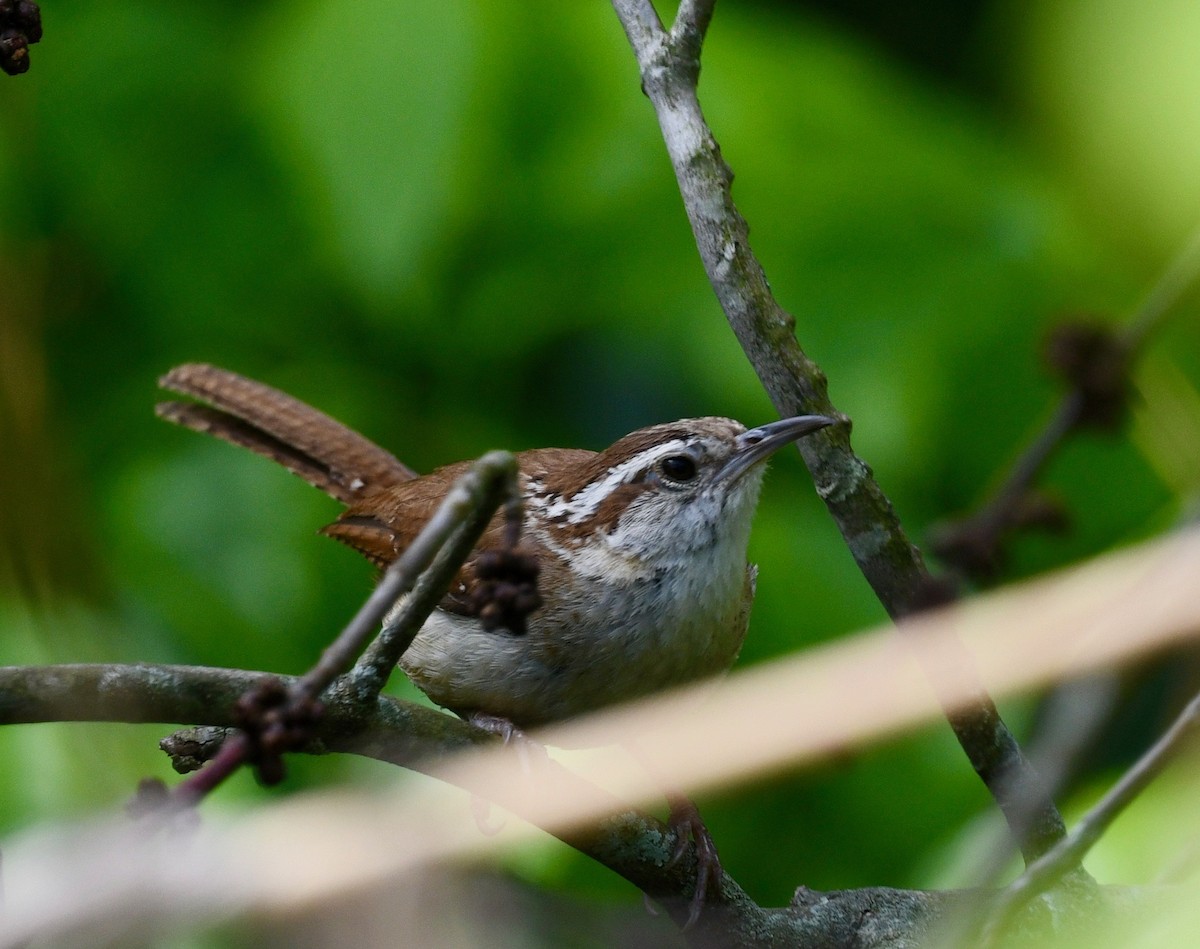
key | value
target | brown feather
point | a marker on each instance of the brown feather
(384, 523)
(307, 442)
(366, 534)
(387, 504)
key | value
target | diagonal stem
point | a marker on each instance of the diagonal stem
(454, 531)
(1067, 854)
(990, 524)
(444, 541)
(472, 500)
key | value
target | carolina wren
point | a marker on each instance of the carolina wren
(641, 547)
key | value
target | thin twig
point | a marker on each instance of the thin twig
(474, 497)
(1069, 852)
(472, 500)
(458, 525)
(669, 69)
(983, 532)
(996, 515)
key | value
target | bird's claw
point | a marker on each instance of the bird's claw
(497, 725)
(510, 735)
(685, 821)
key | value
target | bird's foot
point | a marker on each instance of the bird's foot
(510, 735)
(685, 820)
(497, 725)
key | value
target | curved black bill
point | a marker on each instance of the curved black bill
(756, 444)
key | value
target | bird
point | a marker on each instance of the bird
(641, 552)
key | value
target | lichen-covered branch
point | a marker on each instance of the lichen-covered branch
(669, 64)
(634, 845)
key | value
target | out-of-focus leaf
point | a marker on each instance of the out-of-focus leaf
(1113, 85)
(368, 106)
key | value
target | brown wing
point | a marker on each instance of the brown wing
(382, 524)
(307, 442)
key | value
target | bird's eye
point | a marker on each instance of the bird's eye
(678, 467)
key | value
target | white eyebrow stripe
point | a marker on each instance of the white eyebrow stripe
(584, 503)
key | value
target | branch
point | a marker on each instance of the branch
(634, 845)
(1073, 717)
(691, 23)
(1098, 388)
(670, 69)
(631, 844)
(1120, 606)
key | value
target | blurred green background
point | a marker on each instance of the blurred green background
(452, 224)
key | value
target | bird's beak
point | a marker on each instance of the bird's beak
(757, 444)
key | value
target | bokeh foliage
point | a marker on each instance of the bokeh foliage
(452, 225)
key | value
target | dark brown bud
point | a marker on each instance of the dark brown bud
(14, 52)
(1092, 360)
(27, 17)
(507, 589)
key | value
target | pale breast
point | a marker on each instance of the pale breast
(579, 656)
